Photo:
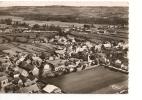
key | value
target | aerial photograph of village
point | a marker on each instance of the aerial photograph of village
(63, 49)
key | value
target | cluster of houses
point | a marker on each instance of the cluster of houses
(32, 38)
(89, 28)
(5, 28)
(25, 72)
(97, 29)
(21, 74)
(105, 52)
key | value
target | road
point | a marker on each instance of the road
(98, 80)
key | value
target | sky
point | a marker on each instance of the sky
(66, 3)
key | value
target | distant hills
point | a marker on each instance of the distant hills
(82, 14)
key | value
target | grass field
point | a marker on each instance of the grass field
(98, 80)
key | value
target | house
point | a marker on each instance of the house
(66, 30)
(80, 49)
(22, 58)
(15, 81)
(26, 65)
(6, 65)
(98, 47)
(8, 30)
(32, 36)
(51, 58)
(107, 45)
(88, 30)
(43, 39)
(22, 28)
(61, 52)
(35, 71)
(51, 89)
(48, 67)
(118, 63)
(23, 72)
(32, 77)
(57, 37)
(30, 89)
(62, 40)
(89, 44)
(30, 82)
(20, 83)
(16, 74)
(23, 78)
(4, 81)
(4, 26)
(125, 67)
(51, 40)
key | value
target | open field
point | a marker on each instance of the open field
(29, 48)
(70, 13)
(32, 22)
(69, 10)
(96, 80)
(114, 88)
(91, 36)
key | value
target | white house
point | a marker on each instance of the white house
(35, 71)
(3, 81)
(51, 89)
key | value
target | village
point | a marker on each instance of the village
(49, 51)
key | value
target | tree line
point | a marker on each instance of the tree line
(76, 18)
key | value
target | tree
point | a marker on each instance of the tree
(36, 27)
(8, 21)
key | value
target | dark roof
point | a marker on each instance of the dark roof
(24, 79)
(16, 72)
(31, 76)
(26, 66)
(15, 80)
